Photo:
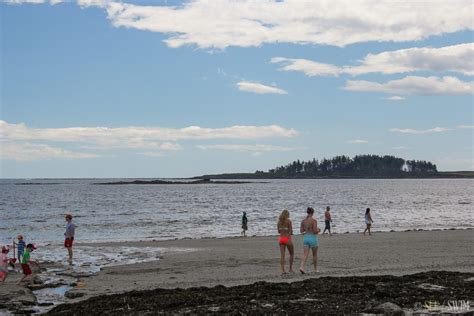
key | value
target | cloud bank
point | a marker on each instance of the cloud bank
(246, 148)
(456, 58)
(30, 152)
(417, 131)
(18, 140)
(415, 85)
(220, 24)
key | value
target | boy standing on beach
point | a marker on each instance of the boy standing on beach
(244, 224)
(69, 236)
(25, 263)
(327, 221)
(21, 246)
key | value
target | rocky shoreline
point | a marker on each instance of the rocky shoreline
(324, 295)
(201, 181)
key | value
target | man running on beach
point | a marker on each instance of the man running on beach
(69, 236)
(327, 221)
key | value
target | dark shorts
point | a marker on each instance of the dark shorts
(26, 269)
(68, 242)
(328, 225)
(244, 227)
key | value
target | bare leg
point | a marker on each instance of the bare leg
(303, 260)
(23, 278)
(368, 227)
(315, 258)
(282, 258)
(69, 251)
(291, 250)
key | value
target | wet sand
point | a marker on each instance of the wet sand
(240, 261)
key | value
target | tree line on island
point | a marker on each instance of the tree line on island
(360, 166)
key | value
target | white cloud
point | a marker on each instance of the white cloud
(399, 147)
(16, 139)
(417, 131)
(258, 88)
(251, 148)
(32, 1)
(415, 85)
(219, 24)
(139, 137)
(308, 67)
(358, 141)
(94, 3)
(456, 58)
(465, 126)
(395, 98)
(29, 152)
(153, 154)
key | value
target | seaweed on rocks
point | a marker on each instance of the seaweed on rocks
(323, 296)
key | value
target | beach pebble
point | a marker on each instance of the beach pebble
(387, 308)
(431, 287)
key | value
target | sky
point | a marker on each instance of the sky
(108, 88)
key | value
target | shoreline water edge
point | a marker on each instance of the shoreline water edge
(106, 268)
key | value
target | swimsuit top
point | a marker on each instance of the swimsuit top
(285, 228)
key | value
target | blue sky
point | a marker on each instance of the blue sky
(98, 88)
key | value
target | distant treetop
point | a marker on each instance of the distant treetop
(359, 166)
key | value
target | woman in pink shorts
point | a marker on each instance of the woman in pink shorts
(285, 229)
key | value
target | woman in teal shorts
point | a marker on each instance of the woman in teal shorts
(309, 227)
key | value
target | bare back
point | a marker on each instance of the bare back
(308, 226)
(285, 228)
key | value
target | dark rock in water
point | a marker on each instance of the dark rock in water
(320, 296)
(70, 294)
(35, 287)
(37, 280)
(25, 312)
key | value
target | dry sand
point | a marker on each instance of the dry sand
(236, 261)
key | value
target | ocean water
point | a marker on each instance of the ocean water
(157, 212)
(146, 212)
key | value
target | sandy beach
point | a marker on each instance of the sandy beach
(246, 260)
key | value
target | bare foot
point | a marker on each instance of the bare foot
(302, 271)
